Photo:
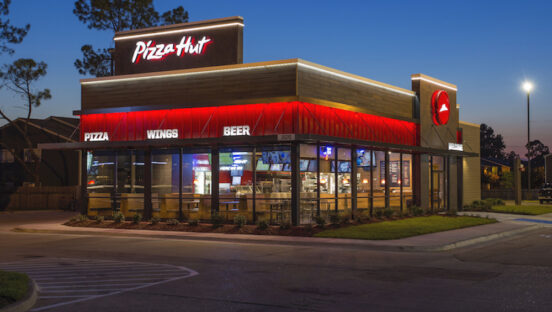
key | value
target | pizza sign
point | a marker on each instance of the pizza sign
(440, 107)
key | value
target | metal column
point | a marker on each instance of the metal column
(254, 181)
(318, 178)
(372, 160)
(387, 189)
(215, 181)
(84, 182)
(336, 179)
(180, 215)
(147, 185)
(431, 183)
(401, 180)
(295, 184)
(354, 181)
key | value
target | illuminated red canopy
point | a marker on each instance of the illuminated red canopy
(262, 119)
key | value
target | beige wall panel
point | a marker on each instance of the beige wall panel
(471, 165)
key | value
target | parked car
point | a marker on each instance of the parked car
(545, 193)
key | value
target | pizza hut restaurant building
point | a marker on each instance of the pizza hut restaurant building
(185, 129)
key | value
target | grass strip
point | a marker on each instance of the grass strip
(404, 228)
(13, 287)
(532, 210)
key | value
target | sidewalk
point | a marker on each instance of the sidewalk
(440, 241)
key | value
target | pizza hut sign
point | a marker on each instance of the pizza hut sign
(150, 51)
(440, 107)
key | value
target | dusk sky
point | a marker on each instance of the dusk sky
(486, 48)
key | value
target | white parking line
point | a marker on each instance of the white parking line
(67, 281)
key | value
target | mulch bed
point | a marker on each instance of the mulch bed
(226, 228)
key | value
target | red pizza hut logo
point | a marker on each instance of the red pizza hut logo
(150, 51)
(440, 107)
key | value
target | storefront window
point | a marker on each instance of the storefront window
(327, 180)
(379, 180)
(115, 182)
(365, 164)
(408, 197)
(437, 189)
(309, 187)
(235, 183)
(394, 181)
(273, 188)
(164, 183)
(196, 185)
(344, 180)
(130, 181)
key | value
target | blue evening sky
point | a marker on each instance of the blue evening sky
(486, 48)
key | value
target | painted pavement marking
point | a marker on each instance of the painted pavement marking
(66, 281)
(534, 220)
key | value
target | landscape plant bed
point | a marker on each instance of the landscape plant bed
(404, 228)
(523, 210)
(13, 287)
(304, 230)
(205, 227)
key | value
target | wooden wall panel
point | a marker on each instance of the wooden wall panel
(279, 81)
(432, 135)
(315, 84)
(206, 89)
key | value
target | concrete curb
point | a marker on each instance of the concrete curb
(26, 303)
(300, 241)
(480, 239)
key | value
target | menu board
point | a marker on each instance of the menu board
(394, 173)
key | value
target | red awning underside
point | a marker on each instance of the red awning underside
(263, 119)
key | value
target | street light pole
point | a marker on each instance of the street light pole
(528, 147)
(528, 86)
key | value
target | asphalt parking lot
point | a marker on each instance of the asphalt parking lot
(67, 281)
(106, 273)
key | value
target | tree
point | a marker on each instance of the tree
(9, 34)
(537, 151)
(115, 16)
(492, 145)
(19, 77)
(511, 156)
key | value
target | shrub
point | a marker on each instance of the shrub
(99, 219)
(137, 218)
(262, 225)
(308, 227)
(285, 225)
(344, 217)
(240, 220)
(193, 222)
(417, 211)
(83, 217)
(320, 221)
(217, 220)
(173, 222)
(452, 212)
(118, 217)
(495, 202)
(379, 213)
(388, 213)
(334, 218)
(362, 216)
(154, 220)
(480, 205)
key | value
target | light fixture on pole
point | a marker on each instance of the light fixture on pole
(528, 87)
